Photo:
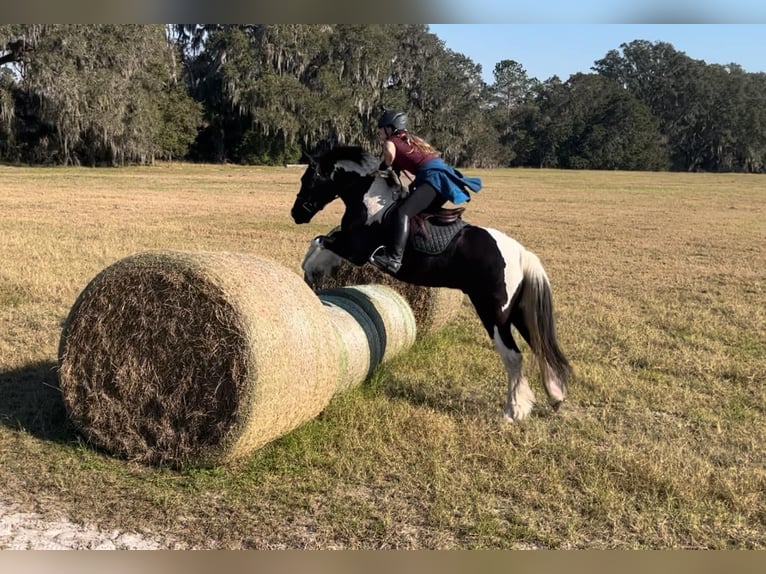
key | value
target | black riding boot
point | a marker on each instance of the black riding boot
(389, 258)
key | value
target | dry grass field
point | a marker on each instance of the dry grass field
(659, 283)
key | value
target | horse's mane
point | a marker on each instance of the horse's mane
(367, 162)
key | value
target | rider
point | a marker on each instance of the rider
(434, 183)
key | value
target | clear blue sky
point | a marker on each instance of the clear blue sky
(596, 11)
(564, 49)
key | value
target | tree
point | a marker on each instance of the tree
(512, 86)
(181, 117)
(541, 126)
(7, 114)
(703, 110)
(667, 81)
(100, 88)
(750, 125)
(267, 88)
(611, 129)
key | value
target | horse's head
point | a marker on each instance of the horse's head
(327, 177)
(317, 190)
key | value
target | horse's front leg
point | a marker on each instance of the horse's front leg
(320, 262)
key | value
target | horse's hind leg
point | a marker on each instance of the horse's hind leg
(553, 386)
(520, 399)
(496, 318)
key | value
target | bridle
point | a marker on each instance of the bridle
(311, 206)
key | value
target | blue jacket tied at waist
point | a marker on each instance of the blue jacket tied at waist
(448, 181)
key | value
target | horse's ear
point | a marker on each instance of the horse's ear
(312, 160)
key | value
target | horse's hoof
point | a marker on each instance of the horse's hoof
(514, 417)
(557, 405)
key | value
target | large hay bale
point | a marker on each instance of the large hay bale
(200, 358)
(174, 357)
(433, 307)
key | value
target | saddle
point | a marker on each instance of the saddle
(441, 215)
(432, 231)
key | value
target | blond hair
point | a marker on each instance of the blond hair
(418, 143)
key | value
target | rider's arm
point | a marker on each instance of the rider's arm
(389, 153)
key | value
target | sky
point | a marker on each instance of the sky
(597, 11)
(545, 50)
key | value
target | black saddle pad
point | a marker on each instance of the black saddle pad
(433, 239)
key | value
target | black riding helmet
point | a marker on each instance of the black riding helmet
(393, 119)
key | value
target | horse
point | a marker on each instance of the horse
(505, 282)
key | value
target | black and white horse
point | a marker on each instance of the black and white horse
(505, 282)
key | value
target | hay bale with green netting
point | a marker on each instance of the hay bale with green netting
(199, 358)
(358, 341)
(374, 323)
(433, 307)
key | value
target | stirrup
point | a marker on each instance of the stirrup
(381, 259)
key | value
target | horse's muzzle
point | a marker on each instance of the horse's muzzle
(303, 212)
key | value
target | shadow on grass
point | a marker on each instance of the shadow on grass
(480, 403)
(444, 397)
(30, 400)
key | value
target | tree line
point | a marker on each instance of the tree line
(264, 94)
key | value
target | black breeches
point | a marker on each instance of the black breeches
(424, 196)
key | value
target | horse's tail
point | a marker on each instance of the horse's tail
(536, 304)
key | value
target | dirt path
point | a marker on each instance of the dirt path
(20, 530)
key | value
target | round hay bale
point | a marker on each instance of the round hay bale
(373, 322)
(195, 358)
(433, 307)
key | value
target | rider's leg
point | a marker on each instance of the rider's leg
(390, 258)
